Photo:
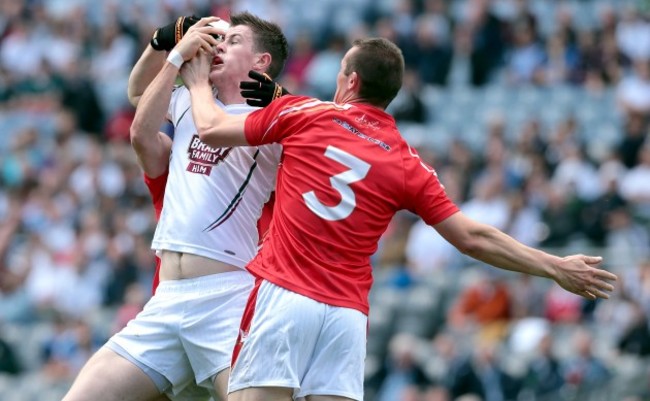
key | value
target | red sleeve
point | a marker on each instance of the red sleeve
(156, 188)
(425, 195)
(269, 124)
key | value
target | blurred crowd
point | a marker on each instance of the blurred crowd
(535, 114)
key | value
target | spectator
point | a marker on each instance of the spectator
(526, 59)
(636, 337)
(9, 363)
(633, 35)
(484, 304)
(408, 105)
(324, 66)
(297, 64)
(633, 140)
(70, 346)
(482, 376)
(403, 370)
(633, 189)
(488, 40)
(633, 92)
(429, 54)
(561, 62)
(585, 373)
(544, 378)
(562, 308)
(627, 240)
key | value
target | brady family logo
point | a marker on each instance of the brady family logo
(203, 157)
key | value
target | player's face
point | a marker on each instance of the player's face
(234, 57)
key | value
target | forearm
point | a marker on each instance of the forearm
(496, 248)
(489, 245)
(215, 127)
(144, 72)
(152, 147)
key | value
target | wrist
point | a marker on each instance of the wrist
(552, 269)
(175, 58)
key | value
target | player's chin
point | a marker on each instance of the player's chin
(217, 72)
(216, 67)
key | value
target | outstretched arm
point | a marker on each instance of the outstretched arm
(576, 273)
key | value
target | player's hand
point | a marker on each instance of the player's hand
(202, 36)
(196, 71)
(582, 275)
(166, 37)
(262, 91)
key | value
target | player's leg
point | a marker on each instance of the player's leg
(221, 384)
(144, 360)
(109, 377)
(336, 371)
(212, 325)
(278, 332)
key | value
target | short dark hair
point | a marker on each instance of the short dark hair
(267, 37)
(380, 66)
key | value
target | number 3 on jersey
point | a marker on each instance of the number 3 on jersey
(340, 182)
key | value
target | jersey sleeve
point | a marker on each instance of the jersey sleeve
(272, 123)
(424, 194)
(156, 188)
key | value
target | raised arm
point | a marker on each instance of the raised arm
(152, 59)
(151, 146)
(144, 71)
(576, 273)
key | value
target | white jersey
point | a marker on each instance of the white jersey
(214, 197)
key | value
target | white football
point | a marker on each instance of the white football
(221, 24)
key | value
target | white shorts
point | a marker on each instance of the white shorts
(187, 330)
(289, 340)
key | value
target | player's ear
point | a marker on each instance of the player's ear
(262, 62)
(354, 81)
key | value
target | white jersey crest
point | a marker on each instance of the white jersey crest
(214, 197)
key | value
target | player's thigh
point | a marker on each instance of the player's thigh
(338, 359)
(109, 377)
(278, 332)
(326, 398)
(262, 394)
(221, 384)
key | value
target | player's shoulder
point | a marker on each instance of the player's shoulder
(306, 105)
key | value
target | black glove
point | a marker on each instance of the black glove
(262, 91)
(166, 37)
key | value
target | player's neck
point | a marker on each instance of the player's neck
(230, 98)
(349, 97)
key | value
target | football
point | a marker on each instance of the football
(222, 24)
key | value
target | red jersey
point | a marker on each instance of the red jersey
(157, 190)
(345, 172)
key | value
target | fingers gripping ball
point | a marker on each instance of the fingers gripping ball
(166, 37)
(222, 24)
(262, 91)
